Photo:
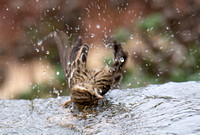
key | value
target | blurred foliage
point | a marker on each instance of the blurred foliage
(46, 90)
(147, 70)
(153, 21)
(38, 91)
(122, 35)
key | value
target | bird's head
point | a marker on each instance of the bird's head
(84, 94)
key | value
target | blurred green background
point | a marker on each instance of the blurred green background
(162, 38)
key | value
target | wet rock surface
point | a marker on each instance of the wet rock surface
(171, 108)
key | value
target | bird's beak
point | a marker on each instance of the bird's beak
(98, 97)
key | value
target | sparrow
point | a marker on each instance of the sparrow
(87, 86)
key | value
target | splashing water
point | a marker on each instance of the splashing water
(156, 109)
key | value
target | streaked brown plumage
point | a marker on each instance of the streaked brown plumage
(87, 86)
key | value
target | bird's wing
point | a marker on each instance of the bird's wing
(76, 46)
(103, 80)
(73, 58)
(78, 56)
(78, 70)
(120, 57)
(64, 49)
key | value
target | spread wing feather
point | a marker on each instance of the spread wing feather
(72, 57)
(64, 49)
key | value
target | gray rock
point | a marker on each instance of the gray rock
(171, 108)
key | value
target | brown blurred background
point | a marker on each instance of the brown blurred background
(162, 38)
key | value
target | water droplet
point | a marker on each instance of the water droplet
(100, 91)
(18, 7)
(42, 48)
(137, 42)
(44, 72)
(37, 0)
(47, 52)
(131, 37)
(98, 26)
(177, 9)
(39, 42)
(89, 26)
(129, 84)
(92, 35)
(34, 86)
(37, 50)
(57, 73)
(7, 9)
(122, 59)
